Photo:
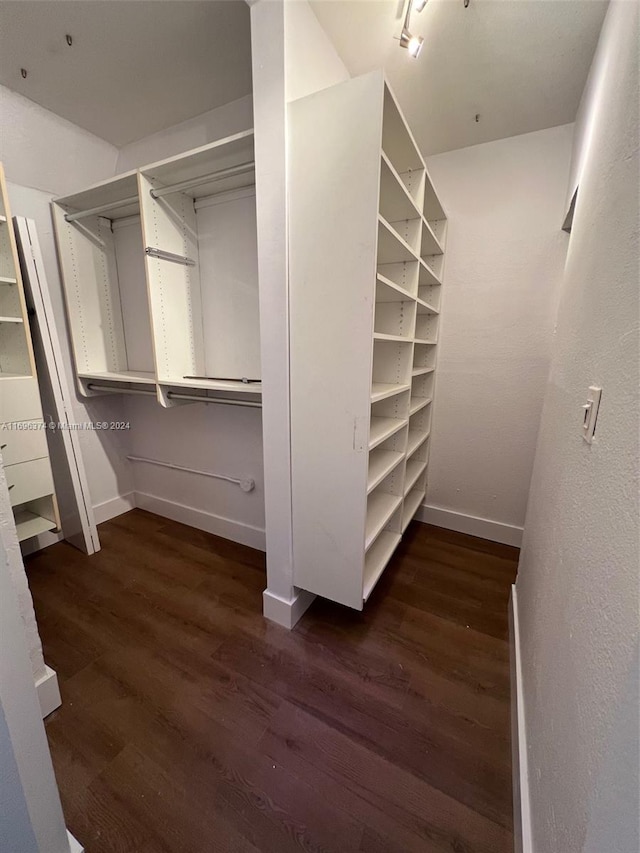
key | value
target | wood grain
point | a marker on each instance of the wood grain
(190, 724)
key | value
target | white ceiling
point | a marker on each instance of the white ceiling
(134, 67)
(520, 64)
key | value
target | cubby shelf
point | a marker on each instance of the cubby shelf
(381, 463)
(382, 390)
(416, 439)
(376, 560)
(4, 279)
(388, 291)
(29, 524)
(425, 307)
(3, 220)
(381, 336)
(383, 428)
(380, 508)
(415, 467)
(395, 200)
(418, 403)
(429, 243)
(411, 504)
(11, 320)
(426, 275)
(430, 342)
(422, 371)
(392, 248)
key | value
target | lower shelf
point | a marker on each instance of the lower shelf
(29, 524)
(139, 376)
(411, 504)
(380, 508)
(376, 560)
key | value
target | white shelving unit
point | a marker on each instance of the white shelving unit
(23, 442)
(367, 236)
(160, 275)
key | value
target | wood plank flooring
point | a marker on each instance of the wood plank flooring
(190, 724)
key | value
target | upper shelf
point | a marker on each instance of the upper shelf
(395, 200)
(392, 248)
(123, 189)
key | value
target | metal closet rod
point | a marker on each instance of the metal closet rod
(247, 484)
(175, 395)
(219, 175)
(102, 208)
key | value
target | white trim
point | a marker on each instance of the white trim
(496, 531)
(48, 692)
(74, 844)
(522, 838)
(237, 531)
(115, 506)
(286, 612)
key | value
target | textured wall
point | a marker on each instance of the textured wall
(505, 254)
(578, 581)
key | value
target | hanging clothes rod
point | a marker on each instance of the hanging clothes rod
(163, 255)
(102, 208)
(175, 395)
(220, 175)
(247, 484)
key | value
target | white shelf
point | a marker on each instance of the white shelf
(411, 504)
(376, 560)
(3, 219)
(415, 467)
(389, 291)
(392, 248)
(382, 390)
(427, 276)
(421, 371)
(429, 244)
(383, 428)
(430, 342)
(395, 201)
(11, 320)
(138, 376)
(381, 336)
(7, 280)
(425, 308)
(381, 463)
(215, 385)
(380, 508)
(29, 524)
(418, 403)
(416, 438)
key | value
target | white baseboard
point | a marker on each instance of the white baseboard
(286, 612)
(522, 838)
(495, 531)
(74, 845)
(48, 692)
(114, 507)
(246, 534)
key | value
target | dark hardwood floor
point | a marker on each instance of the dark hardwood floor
(190, 724)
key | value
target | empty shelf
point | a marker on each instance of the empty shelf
(395, 200)
(425, 308)
(7, 280)
(382, 336)
(418, 403)
(388, 291)
(416, 438)
(215, 385)
(426, 275)
(411, 504)
(3, 219)
(430, 342)
(421, 371)
(415, 467)
(382, 390)
(383, 428)
(29, 524)
(376, 560)
(429, 245)
(11, 320)
(381, 463)
(392, 248)
(138, 376)
(380, 508)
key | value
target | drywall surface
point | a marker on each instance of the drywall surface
(311, 61)
(41, 150)
(504, 258)
(30, 814)
(208, 127)
(578, 581)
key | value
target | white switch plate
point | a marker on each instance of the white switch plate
(591, 413)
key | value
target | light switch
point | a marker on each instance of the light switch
(591, 413)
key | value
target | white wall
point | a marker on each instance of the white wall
(578, 580)
(311, 61)
(504, 258)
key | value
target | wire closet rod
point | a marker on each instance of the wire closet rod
(219, 175)
(247, 484)
(174, 395)
(102, 208)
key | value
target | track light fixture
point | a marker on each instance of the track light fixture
(407, 40)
